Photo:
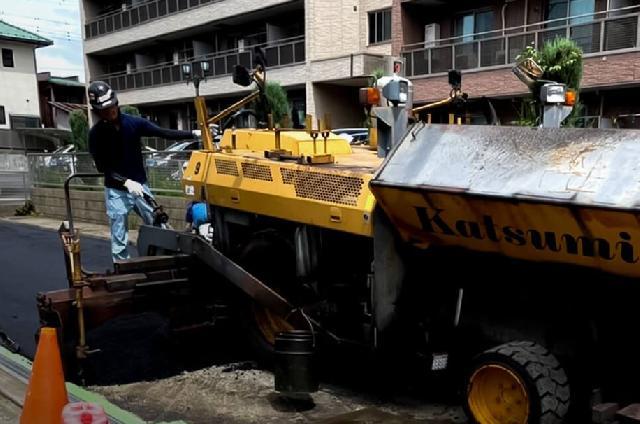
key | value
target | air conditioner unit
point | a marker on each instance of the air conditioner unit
(431, 34)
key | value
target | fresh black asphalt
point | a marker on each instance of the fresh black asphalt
(31, 261)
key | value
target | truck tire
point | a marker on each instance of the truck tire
(517, 383)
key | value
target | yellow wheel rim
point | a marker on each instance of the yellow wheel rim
(270, 323)
(496, 395)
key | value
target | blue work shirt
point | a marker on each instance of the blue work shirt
(117, 152)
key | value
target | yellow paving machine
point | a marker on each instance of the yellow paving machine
(502, 258)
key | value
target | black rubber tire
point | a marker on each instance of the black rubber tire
(271, 258)
(546, 382)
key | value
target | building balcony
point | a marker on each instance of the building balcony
(279, 53)
(613, 31)
(146, 21)
(138, 14)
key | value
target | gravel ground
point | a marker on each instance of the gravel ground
(239, 394)
(9, 412)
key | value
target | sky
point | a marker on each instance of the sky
(57, 20)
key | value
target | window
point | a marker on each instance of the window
(379, 26)
(558, 9)
(3, 118)
(472, 23)
(7, 58)
(24, 121)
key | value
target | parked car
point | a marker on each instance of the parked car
(354, 136)
(349, 131)
(359, 138)
(56, 158)
(180, 150)
(62, 157)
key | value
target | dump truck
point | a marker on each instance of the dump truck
(502, 258)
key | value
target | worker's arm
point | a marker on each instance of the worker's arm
(149, 129)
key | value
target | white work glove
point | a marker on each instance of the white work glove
(134, 188)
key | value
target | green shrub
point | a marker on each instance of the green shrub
(79, 129)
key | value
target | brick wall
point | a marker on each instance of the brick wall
(397, 39)
(600, 71)
(88, 206)
(366, 7)
(332, 28)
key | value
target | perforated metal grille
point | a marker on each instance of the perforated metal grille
(326, 187)
(256, 172)
(227, 167)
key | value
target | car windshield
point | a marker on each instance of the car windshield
(63, 149)
(176, 147)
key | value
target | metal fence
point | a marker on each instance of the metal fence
(279, 53)
(14, 179)
(164, 170)
(141, 13)
(594, 33)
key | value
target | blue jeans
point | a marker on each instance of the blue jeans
(118, 204)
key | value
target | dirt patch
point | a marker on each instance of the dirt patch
(240, 394)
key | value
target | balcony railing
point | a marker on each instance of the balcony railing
(595, 33)
(138, 14)
(284, 52)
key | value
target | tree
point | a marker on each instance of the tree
(375, 76)
(130, 110)
(277, 100)
(79, 129)
(561, 61)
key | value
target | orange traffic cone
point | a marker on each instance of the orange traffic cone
(46, 395)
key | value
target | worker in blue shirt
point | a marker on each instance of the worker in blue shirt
(114, 143)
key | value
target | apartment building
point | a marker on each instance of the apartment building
(483, 38)
(320, 51)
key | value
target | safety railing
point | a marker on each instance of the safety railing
(279, 53)
(608, 31)
(14, 179)
(164, 170)
(132, 15)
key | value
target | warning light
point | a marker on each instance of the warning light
(570, 98)
(369, 96)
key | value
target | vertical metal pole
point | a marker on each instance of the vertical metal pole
(506, 50)
(453, 56)
(603, 24)
(479, 61)
(637, 31)
(429, 59)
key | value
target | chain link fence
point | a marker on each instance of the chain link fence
(164, 171)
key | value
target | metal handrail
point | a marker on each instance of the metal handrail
(211, 56)
(120, 10)
(502, 32)
(472, 54)
(103, 17)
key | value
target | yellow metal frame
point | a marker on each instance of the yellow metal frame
(324, 197)
(283, 173)
(599, 238)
